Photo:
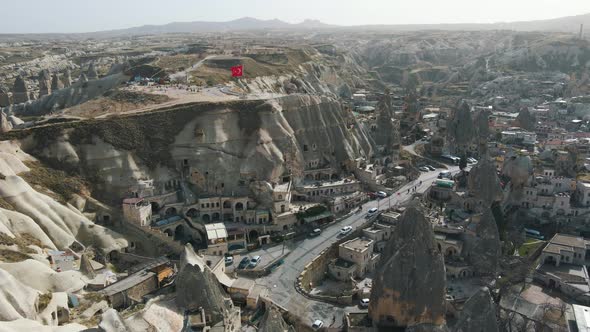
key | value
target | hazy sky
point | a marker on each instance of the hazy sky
(94, 15)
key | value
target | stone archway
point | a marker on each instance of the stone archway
(282, 208)
(239, 206)
(309, 177)
(227, 205)
(206, 218)
(216, 216)
(171, 211)
(450, 252)
(169, 232)
(193, 213)
(439, 247)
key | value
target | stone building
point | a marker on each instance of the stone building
(563, 266)
(214, 209)
(137, 211)
(360, 252)
(131, 289)
(217, 243)
(380, 234)
(281, 195)
(320, 191)
(567, 249)
(143, 279)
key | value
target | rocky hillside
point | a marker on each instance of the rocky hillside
(34, 217)
(232, 143)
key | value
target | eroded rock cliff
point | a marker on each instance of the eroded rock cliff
(478, 314)
(409, 286)
(218, 147)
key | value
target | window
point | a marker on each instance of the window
(207, 204)
(305, 148)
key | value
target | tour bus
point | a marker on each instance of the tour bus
(453, 159)
(534, 234)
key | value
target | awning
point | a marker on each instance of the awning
(320, 216)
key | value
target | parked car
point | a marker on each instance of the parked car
(244, 263)
(372, 195)
(444, 174)
(254, 261)
(317, 324)
(229, 260)
(432, 168)
(381, 194)
(345, 230)
(371, 212)
(424, 169)
(315, 232)
(364, 303)
(472, 160)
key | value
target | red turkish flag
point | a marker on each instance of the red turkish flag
(237, 71)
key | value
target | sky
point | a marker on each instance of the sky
(36, 16)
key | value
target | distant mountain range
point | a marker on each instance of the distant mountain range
(570, 24)
(564, 24)
(241, 24)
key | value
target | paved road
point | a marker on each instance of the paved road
(281, 282)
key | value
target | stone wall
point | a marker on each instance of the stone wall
(317, 270)
(138, 291)
(159, 242)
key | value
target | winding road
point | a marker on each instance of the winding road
(281, 282)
